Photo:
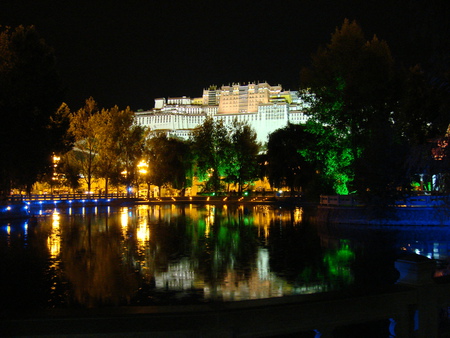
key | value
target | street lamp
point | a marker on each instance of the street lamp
(56, 160)
(142, 167)
(143, 171)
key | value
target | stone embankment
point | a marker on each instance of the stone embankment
(420, 211)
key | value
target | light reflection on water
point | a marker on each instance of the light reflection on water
(54, 238)
(171, 254)
(218, 234)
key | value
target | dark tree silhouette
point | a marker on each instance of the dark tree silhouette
(352, 86)
(30, 94)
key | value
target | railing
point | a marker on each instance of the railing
(65, 197)
(410, 202)
(424, 201)
(107, 198)
(339, 200)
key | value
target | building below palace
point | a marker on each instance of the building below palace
(263, 107)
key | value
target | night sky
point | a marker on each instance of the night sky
(130, 52)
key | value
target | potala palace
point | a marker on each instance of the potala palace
(264, 107)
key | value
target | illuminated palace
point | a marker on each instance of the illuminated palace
(265, 108)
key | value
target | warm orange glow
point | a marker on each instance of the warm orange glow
(142, 167)
(143, 233)
(298, 215)
(54, 240)
(209, 220)
(124, 220)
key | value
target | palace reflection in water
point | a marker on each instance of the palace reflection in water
(178, 254)
(166, 254)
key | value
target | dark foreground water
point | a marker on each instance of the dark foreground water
(180, 254)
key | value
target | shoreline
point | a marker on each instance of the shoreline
(393, 216)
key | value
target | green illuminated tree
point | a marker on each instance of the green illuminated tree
(212, 147)
(352, 91)
(30, 94)
(243, 165)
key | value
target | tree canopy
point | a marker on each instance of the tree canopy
(106, 144)
(169, 162)
(84, 127)
(225, 154)
(30, 94)
(287, 165)
(351, 87)
(243, 166)
(211, 147)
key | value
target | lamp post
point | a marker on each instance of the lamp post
(56, 160)
(143, 171)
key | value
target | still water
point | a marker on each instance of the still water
(187, 253)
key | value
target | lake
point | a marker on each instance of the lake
(166, 254)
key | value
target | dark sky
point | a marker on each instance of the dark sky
(130, 52)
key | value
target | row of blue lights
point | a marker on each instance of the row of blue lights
(71, 201)
(11, 208)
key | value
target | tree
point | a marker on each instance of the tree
(169, 162)
(30, 93)
(181, 164)
(154, 154)
(423, 120)
(287, 166)
(70, 171)
(211, 147)
(352, 92)
(130, 142)
(84, 130)
(243, 166)
(59, 126)
(107, 143)
(109, 132)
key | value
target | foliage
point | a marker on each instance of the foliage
(423, 120)
(181, 161)
(59, 126)
(225, 154)
(108, 166)
(107, 143)
(243, 166)
(129, 139)
(286, 165)
(211, 147)
(422, 114)
(351, 86)
(30, 93)
(84, 130)
(70, 171)
(169, 162)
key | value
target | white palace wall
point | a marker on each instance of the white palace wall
(265, 108)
